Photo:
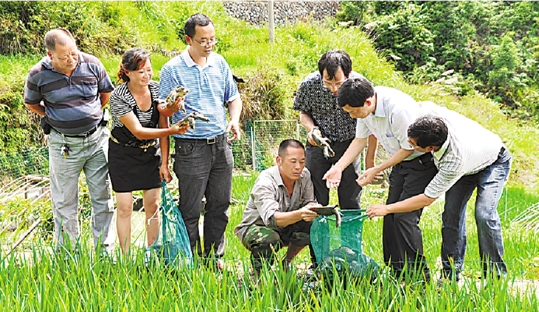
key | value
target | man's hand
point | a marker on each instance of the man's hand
(310, 138)
(377, 211)
(369, 176)
(235, 128)
(307, 214)
(333, 177)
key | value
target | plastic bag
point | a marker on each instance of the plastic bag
(172, 246)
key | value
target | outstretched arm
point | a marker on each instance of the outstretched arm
(333, 176)
(407, 205)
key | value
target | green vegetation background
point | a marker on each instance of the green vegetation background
(273, 72)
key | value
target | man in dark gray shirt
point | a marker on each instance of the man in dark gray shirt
(277, 214)
(316, 101)
(69, 88)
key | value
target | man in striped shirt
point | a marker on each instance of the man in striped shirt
(203, 160)
(468, 157)
(70, 88)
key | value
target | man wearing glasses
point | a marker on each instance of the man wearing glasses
(203, 160)
(69, 88)
(387, 113)
(316, 101)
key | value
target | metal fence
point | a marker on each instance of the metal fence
(265, 137)
(255, 151)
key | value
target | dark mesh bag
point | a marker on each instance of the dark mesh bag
(172, 246)
(338, 249)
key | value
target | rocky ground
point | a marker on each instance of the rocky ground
(256, 12)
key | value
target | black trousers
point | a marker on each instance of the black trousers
(349, 191)
(402, 237)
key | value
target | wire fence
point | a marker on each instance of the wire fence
(255, 151)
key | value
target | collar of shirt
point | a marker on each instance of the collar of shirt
(380, 106)
(441, 152)
(210, 61)
(276, 175)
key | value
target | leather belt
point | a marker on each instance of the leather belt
(209, 141)
(82, 135)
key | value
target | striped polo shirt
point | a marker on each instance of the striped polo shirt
(395, 112)
(72, 104)
(469, 148)
(210, 86)
(122, 103)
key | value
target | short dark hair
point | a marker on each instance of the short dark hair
(332, 60)
(289, 143)
(428, 131)
(354, 92)
(57, 35)
(194, 20)
(132, 59)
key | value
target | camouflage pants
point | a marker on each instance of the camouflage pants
(263, 242)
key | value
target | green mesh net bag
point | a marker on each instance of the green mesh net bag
(338, 248)
(172, 246)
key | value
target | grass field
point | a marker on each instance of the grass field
(33, 279)
(44, 282)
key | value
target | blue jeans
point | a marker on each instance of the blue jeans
(88, 154)
(489, 183)
(205, 169)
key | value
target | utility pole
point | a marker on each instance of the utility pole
(271, 21)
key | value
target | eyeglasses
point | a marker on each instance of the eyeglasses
(206, 42)
(333, 85)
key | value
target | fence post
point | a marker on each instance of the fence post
(253, 147)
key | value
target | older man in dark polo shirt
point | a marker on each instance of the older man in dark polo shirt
(69, 88)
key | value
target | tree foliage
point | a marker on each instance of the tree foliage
(486, 46)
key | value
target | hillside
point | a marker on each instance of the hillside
(273, 71)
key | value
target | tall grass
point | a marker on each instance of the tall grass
(49, 283)
(39, 280)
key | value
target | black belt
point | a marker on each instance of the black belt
(502, 150)
(209, 141)
(139, 144)
(82, 135)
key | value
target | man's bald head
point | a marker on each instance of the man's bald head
(59, 36)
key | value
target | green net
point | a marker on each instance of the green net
(172, 246)
(338, 249)
(325, 236)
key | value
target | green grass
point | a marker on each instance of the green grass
(44, 282)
